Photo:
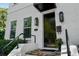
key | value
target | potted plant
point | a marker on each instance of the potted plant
(59, 43)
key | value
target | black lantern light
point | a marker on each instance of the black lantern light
(36, 21)
(61, 16)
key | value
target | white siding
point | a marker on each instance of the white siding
(71, 21)
(19, 16)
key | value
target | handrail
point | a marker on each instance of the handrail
(67, 43)
(24, 39)
(7, 44)
(18, 39)
(2, 49)
(20, 34)
(12, 41)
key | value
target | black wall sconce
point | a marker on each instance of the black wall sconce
(59, 30)
(61, 16)
(36, 21)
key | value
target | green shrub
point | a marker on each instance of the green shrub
(10, 47)
(2, 35)
(59, 42)
(3, 43)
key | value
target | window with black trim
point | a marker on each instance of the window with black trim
(27, 27)
(13, 29)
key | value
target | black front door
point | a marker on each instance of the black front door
(49, 30)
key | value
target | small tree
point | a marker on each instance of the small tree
(3, 18)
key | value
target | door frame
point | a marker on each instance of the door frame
(47, 12)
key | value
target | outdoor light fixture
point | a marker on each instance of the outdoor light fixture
(36, 21)
(59, 29)
(61, 16)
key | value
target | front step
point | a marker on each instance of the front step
(51, 49)
(44, 52)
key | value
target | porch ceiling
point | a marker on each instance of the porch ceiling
(44, 6)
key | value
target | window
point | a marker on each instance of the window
(27, 27)
(13, 29)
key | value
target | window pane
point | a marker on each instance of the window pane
(13, 25)
(27, 27)
(27, 22)
(12, 34)
(27, 32)
(13, 29)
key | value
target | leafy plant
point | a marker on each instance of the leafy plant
(10, 47)
(59, 42)
(3, 18)
(3, 43)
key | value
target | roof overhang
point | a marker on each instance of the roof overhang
(44, 6)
